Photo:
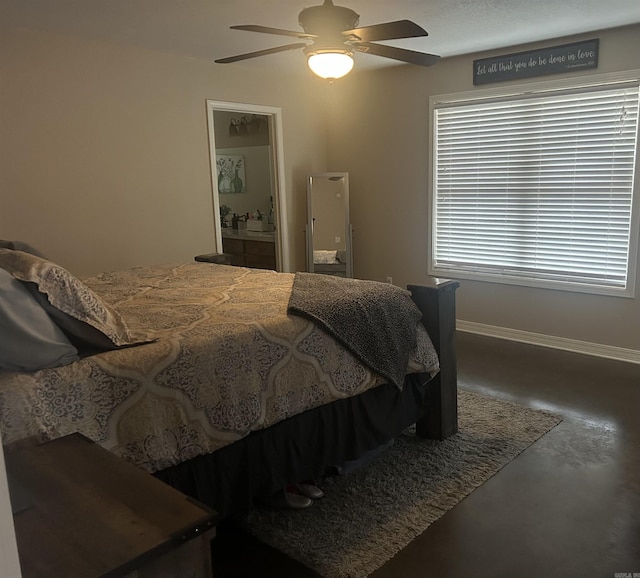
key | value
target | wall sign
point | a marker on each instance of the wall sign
(563, 58)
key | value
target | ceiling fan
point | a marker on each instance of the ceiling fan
(334, 38)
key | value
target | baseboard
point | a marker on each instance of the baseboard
(574, 345)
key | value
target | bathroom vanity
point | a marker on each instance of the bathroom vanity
(250, 248)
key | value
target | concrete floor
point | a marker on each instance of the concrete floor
(567, 507)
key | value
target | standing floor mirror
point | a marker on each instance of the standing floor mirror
(328, 229)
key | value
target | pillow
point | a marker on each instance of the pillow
(323, 257)
(21, 246)
(30, 339)
(86, 319)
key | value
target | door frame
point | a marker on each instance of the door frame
(274, 115)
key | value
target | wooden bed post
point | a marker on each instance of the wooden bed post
(437, 301)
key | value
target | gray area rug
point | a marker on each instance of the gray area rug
(371, 513)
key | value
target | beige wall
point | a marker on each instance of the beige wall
(9, 560)
(104, 165)
(104, 160)
(379, 134)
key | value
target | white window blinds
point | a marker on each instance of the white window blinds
(536, 188)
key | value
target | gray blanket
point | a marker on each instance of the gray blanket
(374, 321)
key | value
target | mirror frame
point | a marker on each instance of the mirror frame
(348, 229)
(274, 115)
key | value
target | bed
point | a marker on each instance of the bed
(203, 374)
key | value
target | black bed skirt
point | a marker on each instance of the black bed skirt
(300, 447)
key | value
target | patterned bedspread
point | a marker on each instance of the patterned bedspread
(228, 360)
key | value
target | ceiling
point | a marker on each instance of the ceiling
(200, 28)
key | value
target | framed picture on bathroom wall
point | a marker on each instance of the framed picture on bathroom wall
(231, 174)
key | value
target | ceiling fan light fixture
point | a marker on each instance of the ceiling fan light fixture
(331, 36)
(330, 64)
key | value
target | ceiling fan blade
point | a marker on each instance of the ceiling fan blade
(388, 31)
(269, 30)
(410, 56)
(261, 53)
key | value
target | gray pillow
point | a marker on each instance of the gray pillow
(30, 339)
(21, 246)
(88, 321)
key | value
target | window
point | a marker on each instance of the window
(537, 188)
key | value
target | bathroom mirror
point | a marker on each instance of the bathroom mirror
(328, 229)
